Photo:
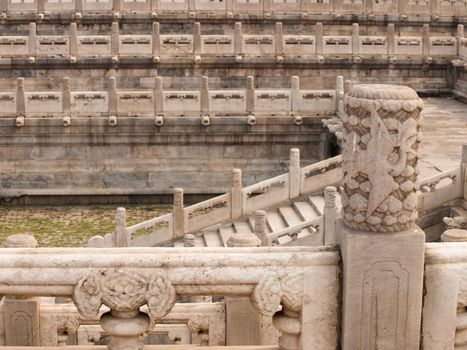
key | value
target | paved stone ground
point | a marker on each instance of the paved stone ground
(444, 132)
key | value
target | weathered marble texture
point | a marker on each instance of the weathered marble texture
(380, 155)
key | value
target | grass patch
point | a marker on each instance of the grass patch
(69, 226)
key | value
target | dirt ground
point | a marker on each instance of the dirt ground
(69, 226)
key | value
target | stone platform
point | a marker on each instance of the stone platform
(444, 130)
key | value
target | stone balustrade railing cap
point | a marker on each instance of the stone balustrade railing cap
(454, 235)
(383, 92)
(21, 240)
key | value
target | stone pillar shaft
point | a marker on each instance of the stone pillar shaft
(382, 248)
(236, 194)
(178, 213)
(294, 173)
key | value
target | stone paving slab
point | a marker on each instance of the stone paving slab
(444, 130)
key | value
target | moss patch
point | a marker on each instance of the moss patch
(70, 226)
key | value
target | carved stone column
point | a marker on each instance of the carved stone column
(124, 292)
(382, 248)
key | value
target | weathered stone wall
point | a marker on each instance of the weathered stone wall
(136, 157)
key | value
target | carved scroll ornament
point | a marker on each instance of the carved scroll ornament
(124, 291)
(276, 289)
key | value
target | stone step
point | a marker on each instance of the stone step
(225, 232)
(305, 211)
(290, 216)
(242, 226)
(274, 221)
(317, 202)
(212, 239)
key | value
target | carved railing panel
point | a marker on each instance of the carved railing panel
(197, 216)
(303, 281)
(265, 193)
(318, 175)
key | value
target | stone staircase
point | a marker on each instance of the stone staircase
(287, 215)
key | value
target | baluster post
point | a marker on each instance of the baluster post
(178, 213)
(236, 194)
(113, 97)
(66, 97)
(355, 39)
(158, 97)
(294, 173)
(340, 94)
(122, 238)
(238, 42)
(32, 42)
(20, 98)
(73, 42)
(115, 42)
(391, 35)
(278, 42)
(295, 105)
(459, 36)
(156, 42)
(260, 227)
(319, 38)
(330, 215)
(204, 96)
(250, 95)
(426, 43)
(197, 42)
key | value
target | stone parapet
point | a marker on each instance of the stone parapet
(236, 44)
(261, 9)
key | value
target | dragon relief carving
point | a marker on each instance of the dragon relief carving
(124, 290)
(276, 289)
(380, 154)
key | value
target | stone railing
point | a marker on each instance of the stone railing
(241, 201)
(402, 10)
(445, 303)
(186, 323)
(301, 282)
(433, 192)
(315, 47)
(440, 188)
(158, 103)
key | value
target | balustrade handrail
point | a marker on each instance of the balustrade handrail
(232, 7)
(281, 45)
(153, 103)
(126, 279)
(265, 184)
(149, 223)
(324, 164)
(271, 237)
(447, 174)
